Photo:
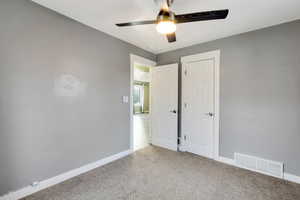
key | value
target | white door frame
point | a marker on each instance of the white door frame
(205, 56)
(143, 61)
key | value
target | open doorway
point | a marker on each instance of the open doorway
(141, 106)
(140, 102)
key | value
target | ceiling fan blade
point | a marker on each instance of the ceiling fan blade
(171, 37)
(202, 16)
(137, 23)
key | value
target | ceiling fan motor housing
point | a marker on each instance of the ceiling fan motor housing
(165, 15)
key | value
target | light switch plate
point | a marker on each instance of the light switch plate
(125, 99)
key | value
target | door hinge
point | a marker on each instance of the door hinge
(185, 105)
(185, 72)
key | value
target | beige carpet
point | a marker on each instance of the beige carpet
(158, 174)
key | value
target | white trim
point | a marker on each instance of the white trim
(204, 56)
(286, 176)
(257, 171)
(143, 61)
(227, 161)
(26, 191)
(255, 167)
(181, 146)
(291, 177)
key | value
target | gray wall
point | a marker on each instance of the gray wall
(42, 132)
(260, 95)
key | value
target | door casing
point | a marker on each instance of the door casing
(215, 55)
(134, 59)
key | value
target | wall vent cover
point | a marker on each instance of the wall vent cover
(260, 165)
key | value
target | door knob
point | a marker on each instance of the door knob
(210, 114)
(173, 111)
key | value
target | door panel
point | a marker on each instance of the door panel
(164, 106)
(198, 100)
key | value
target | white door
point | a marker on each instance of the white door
(164, 106)
(198, 106)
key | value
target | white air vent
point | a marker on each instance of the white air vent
(264, 166)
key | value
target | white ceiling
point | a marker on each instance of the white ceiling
(244, 16)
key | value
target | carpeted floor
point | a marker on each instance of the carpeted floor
(158, 174)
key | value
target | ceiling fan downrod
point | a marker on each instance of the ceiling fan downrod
(170, 2)
(164, 4)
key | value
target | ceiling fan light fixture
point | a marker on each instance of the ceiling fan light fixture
(167, 21)
(166, 27)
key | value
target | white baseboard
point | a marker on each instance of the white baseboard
(181, 148)
(62, 177)
(286, 176)
(225, 160)
(291, 177)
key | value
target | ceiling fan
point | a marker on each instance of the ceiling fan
(166, 20)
